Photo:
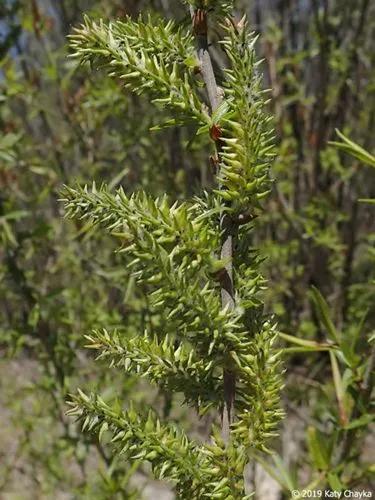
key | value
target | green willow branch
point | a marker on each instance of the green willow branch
(156, 60)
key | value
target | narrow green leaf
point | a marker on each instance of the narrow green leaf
(322, 310)
(362, 421)
(339, 389)
(308, 345)
(317, 448)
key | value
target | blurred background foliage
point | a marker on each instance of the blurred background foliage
(60, 279)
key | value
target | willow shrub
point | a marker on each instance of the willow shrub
(212, 341)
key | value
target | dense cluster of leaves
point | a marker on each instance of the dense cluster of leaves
(155, 59)
(248, 142)
(175, 249)
(208, 471)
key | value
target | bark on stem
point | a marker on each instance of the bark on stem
(199, 18)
